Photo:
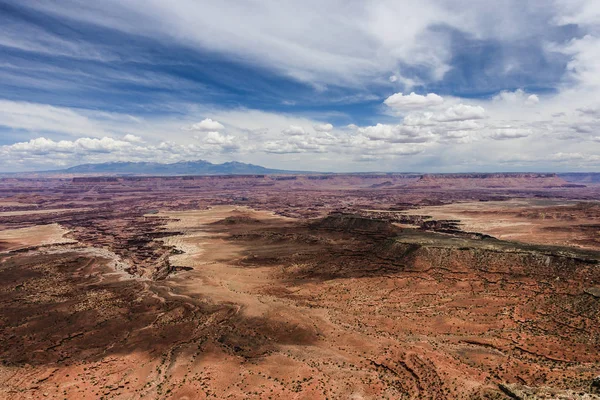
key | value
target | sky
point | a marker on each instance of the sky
(328, 85)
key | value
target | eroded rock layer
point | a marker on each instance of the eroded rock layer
(155, 288)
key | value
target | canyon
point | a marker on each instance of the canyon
(300, 286)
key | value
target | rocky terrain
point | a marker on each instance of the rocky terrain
(498, 181)
(299, 286)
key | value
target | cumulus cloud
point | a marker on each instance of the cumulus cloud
(132, 138)
(302, 143)
(532, 100)
(467, 125)
(561, 158)
(449, 120)
(52, 121)
(589, 111)
(456, 129)
(568, 156)
(376, 51)
(378, 132)
(518, 97)
(401, 102)
(39, 146)
(323, 127)
(510, 133)
(280, 147)
(294, 130)
(396, 133)
(461, 112)
(295, 144)
(363, 148)
(225, 143)
(205, 125)
(48, 153)
(584, 66)
(44, 146)
(420, 119)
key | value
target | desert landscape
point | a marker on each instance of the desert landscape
(364, 286)
(304, 200)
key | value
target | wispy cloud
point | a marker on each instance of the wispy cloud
(458, 83)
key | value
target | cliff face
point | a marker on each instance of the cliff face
(355, 224)
(514, 263)
(500, 180)
(526, 307)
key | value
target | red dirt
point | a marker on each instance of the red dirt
(225, 288)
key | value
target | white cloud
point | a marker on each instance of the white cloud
(400, 102)
(296, 144)
(294, 130)
(44, 153)
(31, 38)
(363, 148)
(420, 119)
(273, 33)
(280, 147)
(46, 118)
(451, 119)
(40, 146)
(205, 125)
(224, 143)
(457, 134)
(582, 12)
(44, 146)
(373, 44)
(467, 125)
(518, 97)
(396, 133)
(323, 127)
(378, 132)
(590, 111)
(132, 138)
(461, 112)
(510, 133)
(51, 121)
(376, 50)
(585, 62)
(532, 99)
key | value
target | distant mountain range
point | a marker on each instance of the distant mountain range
(202, 167)
(199, 167)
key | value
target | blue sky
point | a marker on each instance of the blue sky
(434, 85)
